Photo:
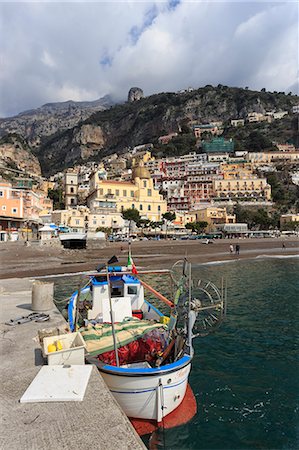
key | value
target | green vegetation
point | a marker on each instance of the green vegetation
(132, 214)
(57, 196)
(170, 216)
(197, 227)
(284, 193)
(257, 218)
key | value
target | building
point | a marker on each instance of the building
(71, 188)
(247, 188)
(218, 145)
(20, 206)
(214, 216)
(139, 193)
(81, 219)
(287, 218)
(237, 122)
(167, 138)
(207, 128)
(260, 158)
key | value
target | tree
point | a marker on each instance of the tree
(197, 227)
(170, 216)
(132, 214)
(57, 196)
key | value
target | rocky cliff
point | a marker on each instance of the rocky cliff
(15, 154)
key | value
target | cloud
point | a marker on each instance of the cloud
(71, 50)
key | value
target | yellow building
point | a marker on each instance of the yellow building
(76, 218)
(82, 219)
(138, 194)
(287, 218)
(143, 155)
(182, 218)
(240, 188)
(214, 216)
(236, 170)
(260, 158)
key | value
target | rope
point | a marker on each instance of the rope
(66, 300)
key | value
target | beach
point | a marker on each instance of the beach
(19, 260)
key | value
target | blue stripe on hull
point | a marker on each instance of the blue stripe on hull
(113, 370)
(148, 390)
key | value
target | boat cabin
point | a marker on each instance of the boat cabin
(127, 296)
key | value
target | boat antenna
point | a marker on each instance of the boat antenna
(113, 259)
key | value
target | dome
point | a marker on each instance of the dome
(140, 172)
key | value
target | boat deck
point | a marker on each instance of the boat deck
(95, 423)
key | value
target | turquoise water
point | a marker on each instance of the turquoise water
(246, 375)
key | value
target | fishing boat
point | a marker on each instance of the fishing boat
(73, 239)
(143, 346)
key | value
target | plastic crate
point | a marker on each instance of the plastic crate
(73, 349)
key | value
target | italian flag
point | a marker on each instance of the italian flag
(131, 265)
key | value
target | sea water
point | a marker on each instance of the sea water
(245, 376)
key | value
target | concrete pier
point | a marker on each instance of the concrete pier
(95, 423)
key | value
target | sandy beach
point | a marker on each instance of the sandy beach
(18, 260)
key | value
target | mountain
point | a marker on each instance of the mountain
(126, 125)
(51, 118)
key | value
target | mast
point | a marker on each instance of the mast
(112, 318)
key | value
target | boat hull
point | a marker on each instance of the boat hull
(150, 394)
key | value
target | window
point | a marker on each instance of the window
(140, 207)
(159, 208)
(1, 193)
(72, 201)
(117, 192)
(124, 193)
(77, 222)
(94, 222)
(149, 192)
(133, 206)
(109, 191)
(132, 290)
(101, 191)
(144, 183)
(72, 190)
(149, 207)
(132, 193)
(4, 208)
(14, 210)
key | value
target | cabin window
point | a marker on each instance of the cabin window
(115, 292)
(132, 290)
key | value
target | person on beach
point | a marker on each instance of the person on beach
(283, 246)
(231, 249)
(237, 249)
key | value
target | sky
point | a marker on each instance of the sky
(58, 51)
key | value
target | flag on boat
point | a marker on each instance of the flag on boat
(131, 265)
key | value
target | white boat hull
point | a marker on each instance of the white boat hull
(151, 396)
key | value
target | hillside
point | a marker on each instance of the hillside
(130, 124)
(50, 118)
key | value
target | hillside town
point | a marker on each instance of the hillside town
(139, 195)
